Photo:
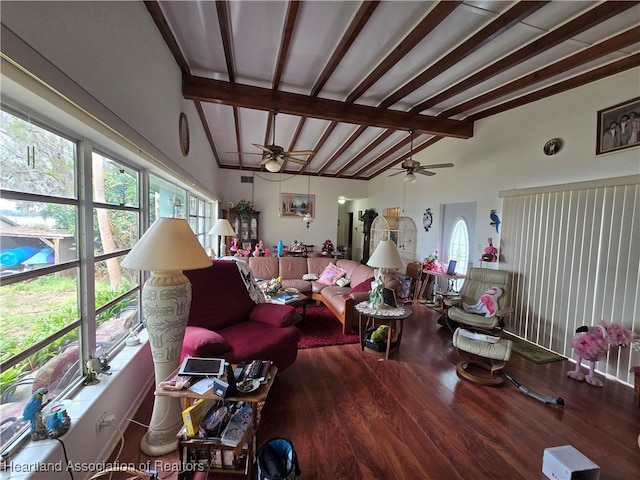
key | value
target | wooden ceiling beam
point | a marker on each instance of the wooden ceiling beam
(358, 23)
(482, 37)
(632, 61)
(583, 57)
(475, 42)
(593, 17)
(247, 96)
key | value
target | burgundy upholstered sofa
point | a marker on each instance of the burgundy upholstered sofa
(225, 322)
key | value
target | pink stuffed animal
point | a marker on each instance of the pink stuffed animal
(259, 250)
(592, 344)
(488, 303)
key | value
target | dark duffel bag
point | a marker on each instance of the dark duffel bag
(277, 460)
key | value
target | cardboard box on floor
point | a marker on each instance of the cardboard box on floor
(567, 463)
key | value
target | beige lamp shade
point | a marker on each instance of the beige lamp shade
(386, 255)
(169, 244)
(223, 228)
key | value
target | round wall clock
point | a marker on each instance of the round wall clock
(183, 133)
(427, 220)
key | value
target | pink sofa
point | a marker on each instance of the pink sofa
(340, 300)
(225, 322)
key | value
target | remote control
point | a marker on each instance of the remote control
(479, 336)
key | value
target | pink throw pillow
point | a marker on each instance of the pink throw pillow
(331, 273)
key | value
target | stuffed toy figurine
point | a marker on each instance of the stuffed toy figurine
(380, 334)
(593, 343)
(490, 252)
(259, 250)
(488, 303)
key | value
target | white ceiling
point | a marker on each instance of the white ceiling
(433, 67)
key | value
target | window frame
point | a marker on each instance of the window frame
(86, 259)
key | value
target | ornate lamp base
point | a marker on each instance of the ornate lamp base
(166, 299)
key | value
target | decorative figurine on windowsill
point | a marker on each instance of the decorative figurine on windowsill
(92, 373)
(32, 413)
(592, 344)
(57, 422)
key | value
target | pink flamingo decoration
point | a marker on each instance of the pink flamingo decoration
(592, 344)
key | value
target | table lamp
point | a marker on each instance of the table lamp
(222, 228)
(385, 256)
(166, 249)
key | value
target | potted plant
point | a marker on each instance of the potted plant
(244, 209)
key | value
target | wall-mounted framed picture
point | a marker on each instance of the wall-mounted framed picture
(297, 204)
(360, 217)
(619, 127)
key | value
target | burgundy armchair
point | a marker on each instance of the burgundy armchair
(225, 322)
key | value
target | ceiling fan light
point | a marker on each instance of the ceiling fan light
(272, 166)
(410, 177)
(307, 219)
(341, 200)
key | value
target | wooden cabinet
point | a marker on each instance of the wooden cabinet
(247, 229)
(400, 230)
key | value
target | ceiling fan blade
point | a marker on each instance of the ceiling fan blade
(300, 152)
(438, 165)
(295, 160)
(425, 172)
(246, 153)
(397, 173)
(293, 155)
(262, 147)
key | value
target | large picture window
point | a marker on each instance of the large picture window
(69, 213)
(40, 294)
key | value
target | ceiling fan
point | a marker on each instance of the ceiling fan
(274, 155)
(413, 166)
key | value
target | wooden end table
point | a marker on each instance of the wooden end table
(393, 317)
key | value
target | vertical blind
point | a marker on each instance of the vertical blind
(574, 251)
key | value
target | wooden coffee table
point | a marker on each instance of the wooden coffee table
(300, 300)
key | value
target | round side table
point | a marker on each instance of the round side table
(393, 317)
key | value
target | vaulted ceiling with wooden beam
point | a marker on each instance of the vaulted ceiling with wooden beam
(348, 80)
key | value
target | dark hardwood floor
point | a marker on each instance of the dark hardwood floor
(352, 416)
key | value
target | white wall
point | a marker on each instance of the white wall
(109, 58)
(506, 153)
(265, 193)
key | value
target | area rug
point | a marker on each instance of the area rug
(531, 351)
(321, 328)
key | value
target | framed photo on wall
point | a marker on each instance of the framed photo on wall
(619, 127)
(296, 204)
